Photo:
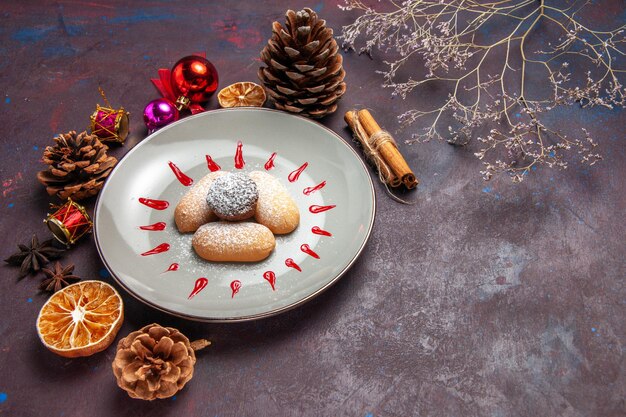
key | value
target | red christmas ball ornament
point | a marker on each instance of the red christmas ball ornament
(194, 80)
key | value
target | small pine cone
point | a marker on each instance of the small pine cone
(78, 166)
(153, 362)
(304, 72)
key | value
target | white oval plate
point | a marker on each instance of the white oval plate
(145, 172)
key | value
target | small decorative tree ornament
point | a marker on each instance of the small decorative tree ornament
(189, 84)
(304, 72)
(109, 124)
(69, 222)
(155, 362)
(159, 113)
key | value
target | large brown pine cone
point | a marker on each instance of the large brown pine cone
(153, 362)
(304, 72)
(78, 166)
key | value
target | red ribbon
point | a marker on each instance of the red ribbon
(163, 85)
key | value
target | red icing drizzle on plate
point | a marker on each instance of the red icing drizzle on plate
(270, 162)
(309, 190)
(307, 249)
(318, 231)
(270, 277)
(235, 286)
(180, 175)
(291, 264)
(172, 267)
(163, 247)
(211, 164)
(156, 227)
(319, 209)
(154, 204)
(239, 162)
(198, 286)
(293, 177)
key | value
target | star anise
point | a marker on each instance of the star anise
(31, 258)
(59, 278)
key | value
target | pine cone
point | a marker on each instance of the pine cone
(304, 72)
(154, 362)
(78, 166)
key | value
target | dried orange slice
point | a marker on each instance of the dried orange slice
(81, 319)
(242, 94)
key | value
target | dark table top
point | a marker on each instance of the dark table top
(481, 299)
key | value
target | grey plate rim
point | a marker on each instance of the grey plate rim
(252, 317)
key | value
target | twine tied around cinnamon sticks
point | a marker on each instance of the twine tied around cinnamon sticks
(382, 151)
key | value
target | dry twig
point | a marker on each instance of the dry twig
(454, 38)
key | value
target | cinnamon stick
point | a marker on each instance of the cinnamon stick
(383, 143)
(389, 151)
(384, 171)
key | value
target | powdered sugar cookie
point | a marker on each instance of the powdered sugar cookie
(193, 211)
(275, 208)
(233, 242)
(233, 197)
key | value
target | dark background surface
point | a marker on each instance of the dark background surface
(485, 299)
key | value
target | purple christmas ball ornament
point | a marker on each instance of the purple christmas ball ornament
(159, 113)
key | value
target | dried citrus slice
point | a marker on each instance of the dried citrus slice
(81, 319)
(242, 94)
